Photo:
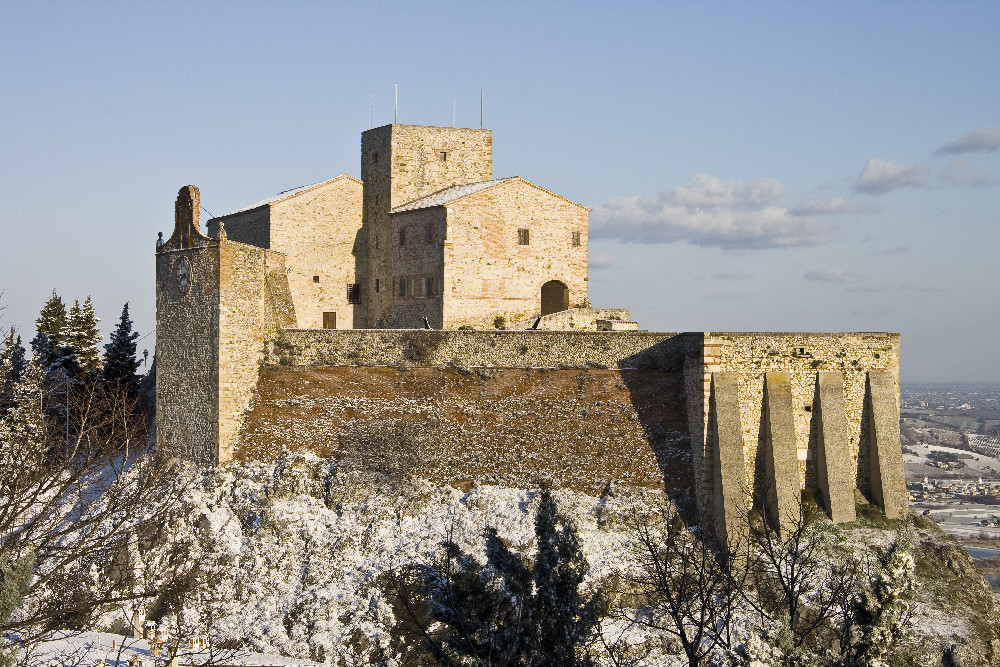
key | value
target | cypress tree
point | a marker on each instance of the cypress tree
(120, 363)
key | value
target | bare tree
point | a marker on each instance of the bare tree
(687, 586)
(76, 477)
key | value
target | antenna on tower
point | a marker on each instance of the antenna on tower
(371, 109)
(482, 97)
(395, 107)
(453, 112)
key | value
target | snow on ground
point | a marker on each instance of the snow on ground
(92, 648)
(308, 547)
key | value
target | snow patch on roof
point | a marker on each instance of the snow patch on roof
(442, 197)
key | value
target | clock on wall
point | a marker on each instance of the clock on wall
(184, 275)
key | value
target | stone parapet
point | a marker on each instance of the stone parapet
(501, 349)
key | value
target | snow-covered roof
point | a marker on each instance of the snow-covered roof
(442, 197)
(285, 194)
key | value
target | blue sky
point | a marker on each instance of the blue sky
(779, 166)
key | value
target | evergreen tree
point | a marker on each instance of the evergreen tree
(12, 369)
(120, 362)
(563, 617)
(51, 325)
(510, 611)
(83, 335)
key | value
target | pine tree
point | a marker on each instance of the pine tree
(51, 325)
(83, 335)
(120, 363)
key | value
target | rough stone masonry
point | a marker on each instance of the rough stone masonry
(433, 246)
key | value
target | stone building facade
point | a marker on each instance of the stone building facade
(429, 240)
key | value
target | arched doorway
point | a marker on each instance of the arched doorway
(555, 297)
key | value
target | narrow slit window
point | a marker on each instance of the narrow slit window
(402, 287)
(443, 156)
(576, 238)
(428, 235)
(402, 236)
(522, 237)
(430, 287)
(377, 286)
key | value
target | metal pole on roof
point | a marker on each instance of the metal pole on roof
(482, 96)
(395, 106)
(371, 109)
(453, 112)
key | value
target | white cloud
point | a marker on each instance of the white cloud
(831, 207)
(838, 276)
(882, 176)
(958, 172)
(600, 260)
(984, 140)
(733, 274)
(709, 212)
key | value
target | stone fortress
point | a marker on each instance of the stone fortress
(353, 307)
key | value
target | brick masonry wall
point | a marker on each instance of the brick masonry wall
(244, 320)
(400, 163)
(319, 232)
(415, 262)
(488, 273)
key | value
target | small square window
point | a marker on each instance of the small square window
(402, 287)
(576, 238)
(522, 237)
(315, 279)
(377, 286)
(402, 236)
(443, 156)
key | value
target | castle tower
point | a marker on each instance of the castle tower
(402, 163)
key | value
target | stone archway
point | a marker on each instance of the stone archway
(555, 297)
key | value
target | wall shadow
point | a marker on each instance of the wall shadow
(654, 378)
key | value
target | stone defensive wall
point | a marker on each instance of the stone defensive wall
(499, 349)
(753, 417)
